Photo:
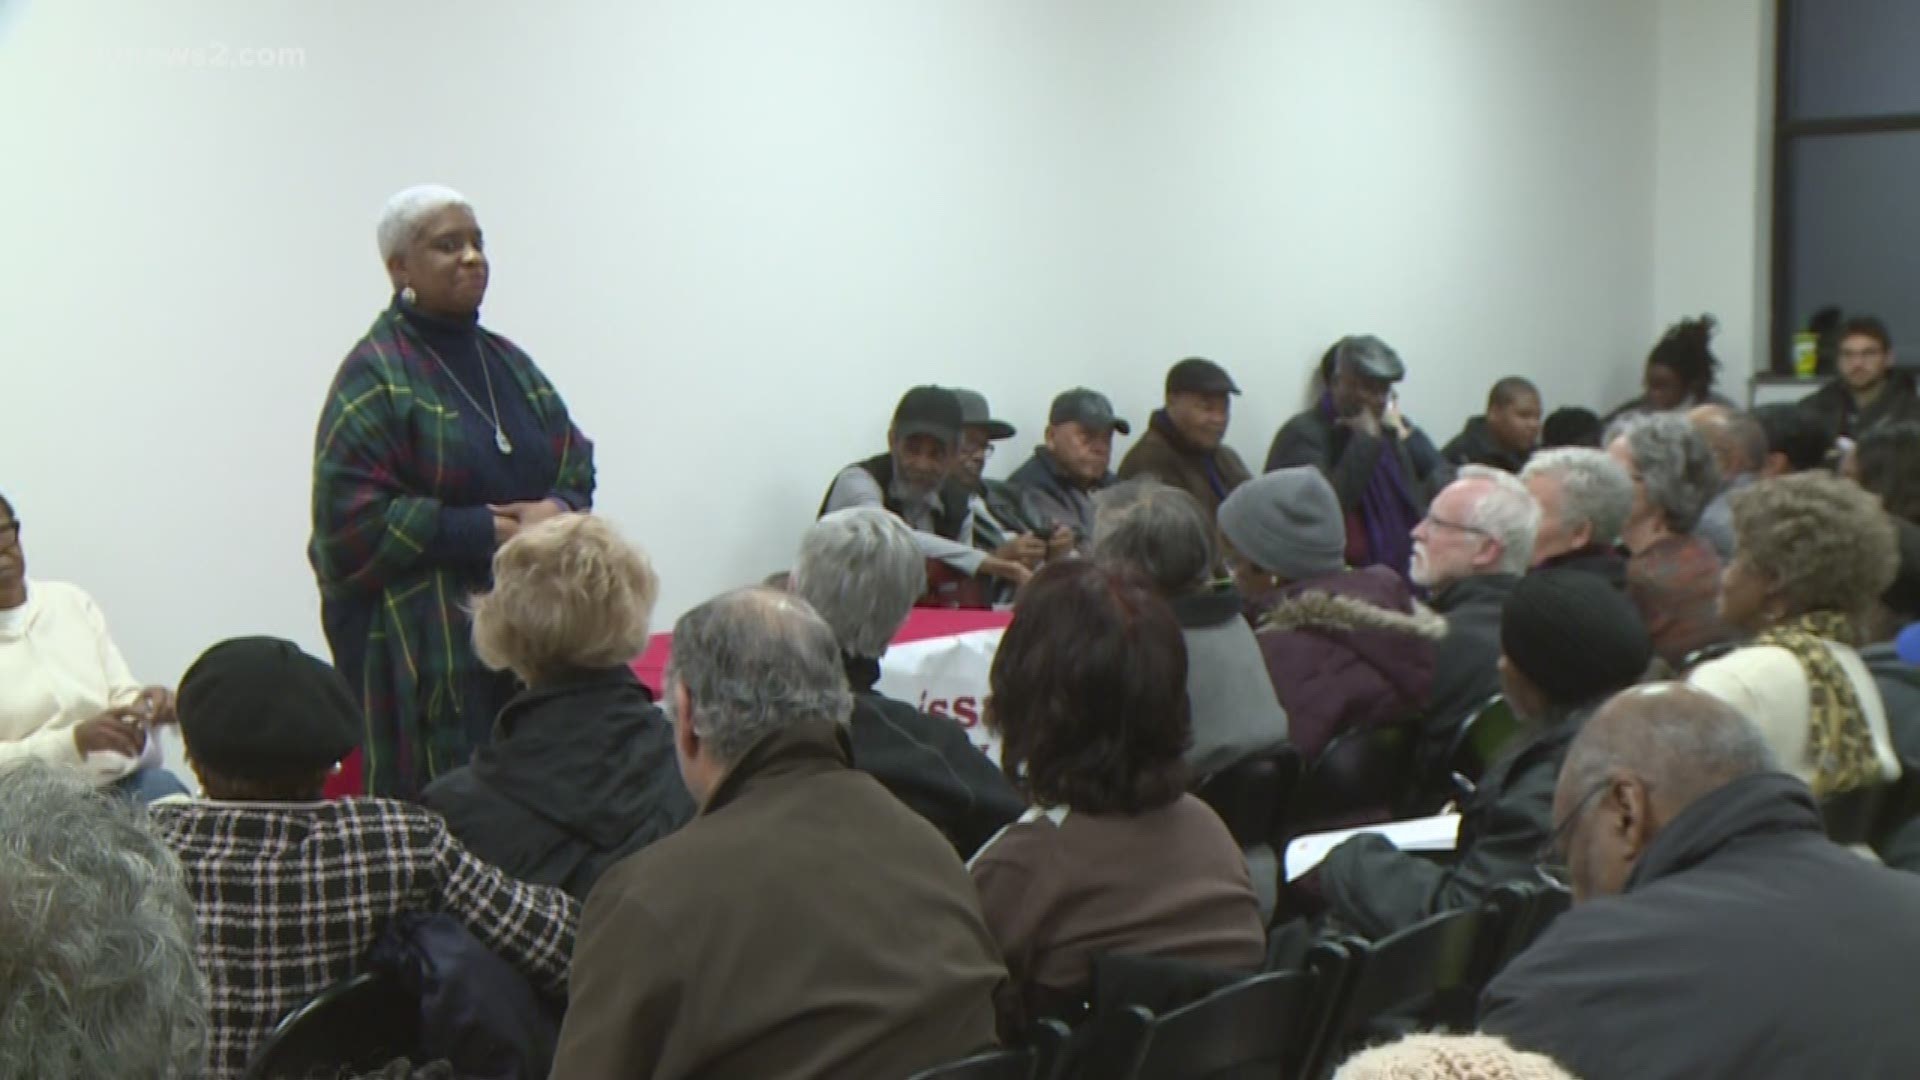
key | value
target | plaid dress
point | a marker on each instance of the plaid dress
(288, 897)
(391, 451)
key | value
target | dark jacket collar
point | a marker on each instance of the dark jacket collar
(1055, 473)
(1163, 424)
(862, 673)
(1488, 588)
(1752, 807)
(1601, 559)
(805, 749)
(1214, 607)
(527, 706)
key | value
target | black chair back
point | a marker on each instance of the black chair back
(1359, 777)
(1851, 816)
(1251, 796)
(1427, 976)
(1516, 913)
(994, 1065)
(354, 1026)
(1257, 1029)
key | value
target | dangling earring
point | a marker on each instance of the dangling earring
(408, 296)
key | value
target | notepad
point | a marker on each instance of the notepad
(1438, 833)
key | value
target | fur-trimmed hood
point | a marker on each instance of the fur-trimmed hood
(1316, 610)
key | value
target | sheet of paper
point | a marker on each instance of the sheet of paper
(1438, 833)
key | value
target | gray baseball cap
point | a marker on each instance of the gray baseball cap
(975, 413)
(1088, 408)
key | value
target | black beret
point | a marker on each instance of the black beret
(258, 708)
(1574, 635)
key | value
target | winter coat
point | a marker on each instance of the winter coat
(1165, 455)
(1377, 889)
(928, 763)
(578, 775)
(1834, 403)
(1467, 669)
(1347, 651)
(1745, 945)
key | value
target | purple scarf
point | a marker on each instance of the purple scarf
(1388, 510)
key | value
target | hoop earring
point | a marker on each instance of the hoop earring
(409, 296)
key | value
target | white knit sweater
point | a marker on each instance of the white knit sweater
(59, 667)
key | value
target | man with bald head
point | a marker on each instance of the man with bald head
(1716, 931)
(1739, 445)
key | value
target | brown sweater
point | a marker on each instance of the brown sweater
(1061, 887)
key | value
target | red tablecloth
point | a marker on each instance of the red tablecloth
(651, 667)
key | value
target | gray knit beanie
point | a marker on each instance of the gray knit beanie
(1449, 1057)
(1288, 522)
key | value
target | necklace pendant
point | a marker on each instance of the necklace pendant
(500, 440)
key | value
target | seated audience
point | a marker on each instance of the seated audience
(1162, 534)
(1470, 551)
(1568, 642)
(1679, 373)
(1869, 391)
(860, 571)
(1184, 444)
(1673, 575)
(1584, 498)
(1716, 931)
(1058, 483)
(1887, 463)
(1383, 469)
(1449, 1057)
(914, 480)
(1815, 553)
(1000, 524)
(96, 938)
(289, 891)
(1505, 437)
(579, 772)
(1346, 649)
(66, 695)
(1571, 425)
(1798, 440)
(1739, 446)
(1114, 856)
(806, 925)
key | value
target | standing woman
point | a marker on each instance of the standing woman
(439, 442)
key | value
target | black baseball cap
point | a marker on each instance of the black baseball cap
(929, 410)
(1088, 408)
(1195, 375)
(975, 413)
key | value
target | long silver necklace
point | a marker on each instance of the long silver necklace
(500, 439)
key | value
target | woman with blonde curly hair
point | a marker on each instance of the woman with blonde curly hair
(580, 770)
(1813, 555)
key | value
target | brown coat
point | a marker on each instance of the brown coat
(1163, 454)
(806, 924)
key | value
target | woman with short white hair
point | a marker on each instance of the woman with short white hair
(439, 441)
(580, 770)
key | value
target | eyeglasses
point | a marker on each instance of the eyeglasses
(10, 531)
(1457, 526)
(1550, 862)
(984, 450)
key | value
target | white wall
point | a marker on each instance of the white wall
(1713, 175)
(732, 232)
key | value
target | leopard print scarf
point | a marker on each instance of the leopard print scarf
(1839, 741)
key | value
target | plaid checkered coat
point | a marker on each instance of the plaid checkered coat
(389, 453)
(289, 897)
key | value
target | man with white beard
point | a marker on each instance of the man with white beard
(1468, 553)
